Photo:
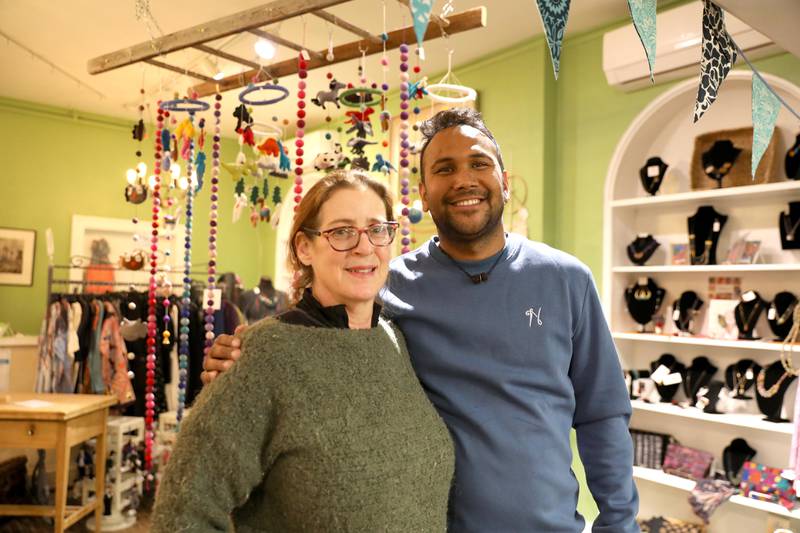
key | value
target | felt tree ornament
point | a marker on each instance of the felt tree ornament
(254, 195)
(239, 190)
(276, 197)
(265, 189)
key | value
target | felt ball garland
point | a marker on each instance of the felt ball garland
(186, 297)
(150, 363)
(212, 230)
(302, 73)
(404, 146)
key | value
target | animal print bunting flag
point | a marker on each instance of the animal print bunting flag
(554, 15)
(643, 13)
(719, 55)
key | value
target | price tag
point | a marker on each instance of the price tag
(653, 171)
(772, 314)
(643, 281)
(215, 295)
(672, 379)
(716, 226)
(676, 314)
(660, 373)
(749, 296)
(643, 235)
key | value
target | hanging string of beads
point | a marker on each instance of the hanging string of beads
(151, 306)
(302, 73)
(186, 297)
(212, 230)
(404, 146)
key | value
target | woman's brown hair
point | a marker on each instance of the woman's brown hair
(307, 215)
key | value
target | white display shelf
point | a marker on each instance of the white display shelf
(662, 478)
(699, 341)
(749, 421)
(706, 269)
(744, 194)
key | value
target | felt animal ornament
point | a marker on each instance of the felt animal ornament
(330, 159)
(276, 217)
(360, 123)
(382, 165)
(136, 193)
(285, 163)
(132, 260)
(200, 169)
(201, 136)
(247, 137)
(242, 117)
(417, 90)
(361, 163)
(138, 131)
(254, 216)
(269, 147)
(331, 95)
(357, 145)
(185, 132)
(264, 213)
(239, 203)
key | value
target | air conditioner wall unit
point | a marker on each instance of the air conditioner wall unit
(678, 48)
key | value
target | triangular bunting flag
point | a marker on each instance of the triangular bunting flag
(421, 13)
(643, 13)
(719, 55)
(554, 15)
(765, 113)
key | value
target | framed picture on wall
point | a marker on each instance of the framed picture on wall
(17, 251)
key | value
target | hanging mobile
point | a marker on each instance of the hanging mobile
(450, 84)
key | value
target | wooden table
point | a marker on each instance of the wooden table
(57, 421)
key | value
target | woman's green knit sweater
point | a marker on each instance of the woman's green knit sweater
(314, 429)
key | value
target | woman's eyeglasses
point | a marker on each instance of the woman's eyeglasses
(346, 238)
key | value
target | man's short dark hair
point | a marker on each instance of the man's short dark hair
(450, 118)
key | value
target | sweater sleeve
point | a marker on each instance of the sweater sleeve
(220, 454)
(602, 413)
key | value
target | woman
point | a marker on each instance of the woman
(322, 423)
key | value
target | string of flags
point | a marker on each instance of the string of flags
(719, 55)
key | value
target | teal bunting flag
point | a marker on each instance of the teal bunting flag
(554, 15)
(421, 13)
(765, 113)
(643, 13)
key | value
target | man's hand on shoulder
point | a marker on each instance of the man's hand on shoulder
(222, 355)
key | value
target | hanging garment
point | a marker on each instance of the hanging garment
(93, 374)
(113, 354)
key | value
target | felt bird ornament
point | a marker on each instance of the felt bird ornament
(382, 165)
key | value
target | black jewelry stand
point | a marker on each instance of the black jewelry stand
(652, 174)
(705, 227)
(747, 315)
(734, 456)
(781, 314)
(643, 301)
(712, 397)
(792, 161)
(771, 407)
(740, 383)
(668, 392)
(697, 376)
(687, 306)
(719, 160)
(641, 249)
(789, 227)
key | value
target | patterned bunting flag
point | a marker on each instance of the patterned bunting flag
(554, 15)
(765, 113)
(421, 13)
(643, 13)
(719, 55)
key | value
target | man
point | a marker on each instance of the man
(509, 340)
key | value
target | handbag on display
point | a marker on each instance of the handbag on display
(767, 484)
(649, 448)
(687, 462)
(660, 524)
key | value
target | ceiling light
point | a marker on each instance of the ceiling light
(130, 175)
(212, 68)
(265, 49)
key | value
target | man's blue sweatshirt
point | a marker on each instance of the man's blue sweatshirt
(512, 365)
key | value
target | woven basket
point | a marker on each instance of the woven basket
(768, 169)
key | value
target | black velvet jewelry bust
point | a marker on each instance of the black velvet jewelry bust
(771, 385)
(734, 456)
(697, 376)
(641, 249)
(643, 299)
(709, 399)
(652, 174)
(789, 227)
(747, 314)
(705, 227)
(780, 314)
(668, 392)
(719, 159)
(741, 376)
(792, 161)
(685, 309)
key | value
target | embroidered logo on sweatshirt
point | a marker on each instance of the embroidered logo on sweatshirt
(531, 314)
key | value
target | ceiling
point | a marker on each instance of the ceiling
(68, 34)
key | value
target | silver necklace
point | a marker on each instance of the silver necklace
(787, 217)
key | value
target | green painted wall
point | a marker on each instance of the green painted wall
(57, 163)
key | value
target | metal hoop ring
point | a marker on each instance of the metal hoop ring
(266, 87)
(343, 97)
(468, 93)
(189, 105)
